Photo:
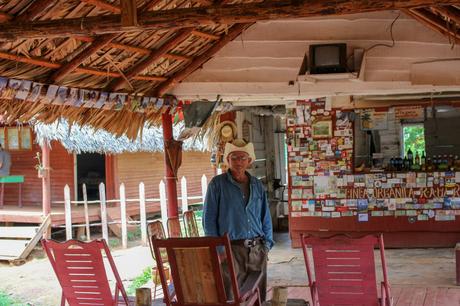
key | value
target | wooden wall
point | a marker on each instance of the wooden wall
(23, 163)
(133, 168)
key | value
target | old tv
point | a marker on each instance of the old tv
(328, 58)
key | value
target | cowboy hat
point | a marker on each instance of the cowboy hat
(227, 131)
(239, 145)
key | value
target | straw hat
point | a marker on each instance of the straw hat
(239, 145)
(227, 131)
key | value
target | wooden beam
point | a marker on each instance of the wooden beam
(152, 58)
(448, 12)
(5, 17)
(134, 49)
(80, 58)
(200, 60)
(128, 13)
(195, 16)
(34, 10)
(205, 35)
(47, 64)
(104, 5)
(433, 22)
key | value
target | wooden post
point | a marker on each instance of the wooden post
(124, 227)
(68, 213)
(169, 173)
(143, 297)
(143, 213)
(128, 13)
(46, 181)
(110, 176)
(163, 205)
(183, 190)
(280, 295)
(204, 186)
(105, 229)
(85, 203)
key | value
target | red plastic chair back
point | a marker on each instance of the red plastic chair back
(344, 270)
(79, 267)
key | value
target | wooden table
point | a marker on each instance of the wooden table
(11, 179)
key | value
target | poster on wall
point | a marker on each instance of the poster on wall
(324, 185)
(409, 112)
(373, 120)
(322, 129)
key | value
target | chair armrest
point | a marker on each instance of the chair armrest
(386, 298)
(250, 285)
(314, 294)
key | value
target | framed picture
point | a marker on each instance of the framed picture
(322, 129)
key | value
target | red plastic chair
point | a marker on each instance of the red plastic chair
(197, 273)
(80, 270)
(344, 271)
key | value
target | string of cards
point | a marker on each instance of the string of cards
(61, 95)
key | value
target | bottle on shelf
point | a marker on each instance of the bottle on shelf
(410, 157)
(417, 159)
(423, 159)
(429, 164)
(450, 161)
(406, 164)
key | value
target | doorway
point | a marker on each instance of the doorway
(90, 171)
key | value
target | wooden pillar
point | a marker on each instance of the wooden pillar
(170, 180)
(110, 176)
(46, 179)
(46, 186)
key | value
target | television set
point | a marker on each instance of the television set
(328, 58)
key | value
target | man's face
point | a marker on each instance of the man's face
(238, 161)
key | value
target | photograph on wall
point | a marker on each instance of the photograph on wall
(322, 129)
(373, 120)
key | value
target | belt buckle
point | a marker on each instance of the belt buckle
(249, 243)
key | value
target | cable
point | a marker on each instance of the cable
(379, 44)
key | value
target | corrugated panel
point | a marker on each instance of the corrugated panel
(134, 168)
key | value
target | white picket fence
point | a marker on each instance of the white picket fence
(143, 220)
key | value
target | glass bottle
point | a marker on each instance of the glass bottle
(406, 165)
(410, 156)
(423, 158)
(417, 159)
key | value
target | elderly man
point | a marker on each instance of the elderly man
(236, 203)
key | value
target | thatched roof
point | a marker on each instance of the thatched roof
(78, 139)
(146, 47)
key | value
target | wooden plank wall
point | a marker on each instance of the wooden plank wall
(134, 168)
(23, 163)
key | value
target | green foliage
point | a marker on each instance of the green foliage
(6, 300)
(140, 281)
(134, 235)
(414, 138)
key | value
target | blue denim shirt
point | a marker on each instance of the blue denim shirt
(225, 210)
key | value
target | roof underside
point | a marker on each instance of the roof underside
(97, 45)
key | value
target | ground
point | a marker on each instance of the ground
(36, 284)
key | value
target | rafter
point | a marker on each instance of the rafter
(104, 5)
(192, 17)
(200, 60)
(48, 64)
(433, 22)
(4, 17)
(448, 12)
(152, 58)
(205, 35)
(80, 58)
(34, 10)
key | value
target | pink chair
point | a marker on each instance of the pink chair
(80, 270)
(344, 271)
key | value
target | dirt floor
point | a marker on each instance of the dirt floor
(34, 283)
